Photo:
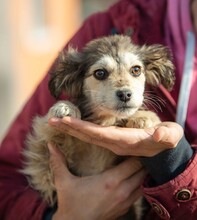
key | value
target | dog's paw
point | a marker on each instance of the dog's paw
(64, 108)
(143, 119)
(142, 122)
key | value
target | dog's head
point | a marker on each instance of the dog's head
(111, 73)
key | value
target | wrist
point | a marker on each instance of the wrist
(168, 164)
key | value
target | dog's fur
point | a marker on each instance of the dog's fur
(106, 81)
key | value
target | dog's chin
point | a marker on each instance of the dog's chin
(125, 112)
(120, 112)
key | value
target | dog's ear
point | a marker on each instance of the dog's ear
(158, 65)
(66, 74)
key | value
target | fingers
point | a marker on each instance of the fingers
(132, 198)
(135, 195)
(126, 201)
(168, 133)
(130, 190)
(161, 134)
(123, 171)
(119, 140)
(132, 184)
(135, 180)
(123, 141)
(58, 165)
(88, 132)
(72, 125)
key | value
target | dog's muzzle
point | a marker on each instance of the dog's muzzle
(124, 95)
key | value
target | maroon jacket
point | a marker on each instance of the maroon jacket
(176, 199)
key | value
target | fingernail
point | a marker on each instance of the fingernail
(150, 131)
(51, 147)
(55, 152)
(54, 120)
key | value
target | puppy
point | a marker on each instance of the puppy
(106, 82)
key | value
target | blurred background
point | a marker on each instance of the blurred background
(32, 32)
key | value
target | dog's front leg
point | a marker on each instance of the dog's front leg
(36, 155)
(62, 109)
(143, 119)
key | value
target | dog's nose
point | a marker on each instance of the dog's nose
(124, 95)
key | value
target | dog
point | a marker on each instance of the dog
(106, 81)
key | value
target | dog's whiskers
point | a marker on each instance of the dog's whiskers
(162, 101)
(151, 102)
(154, 101)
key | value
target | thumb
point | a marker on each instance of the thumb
(168, 133)
(58, 164)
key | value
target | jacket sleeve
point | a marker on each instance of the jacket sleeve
(171, 162)
(175, 198)
(17, 199)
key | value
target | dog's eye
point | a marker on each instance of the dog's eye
(135, 70)
(101, 74)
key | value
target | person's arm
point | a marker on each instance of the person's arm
(176, 194)
(123, 141)
(168, 164)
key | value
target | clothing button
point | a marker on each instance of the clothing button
(183, 195)
(157, 208)
(160, 210)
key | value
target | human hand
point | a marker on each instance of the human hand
(123, 141)
(104, 196)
